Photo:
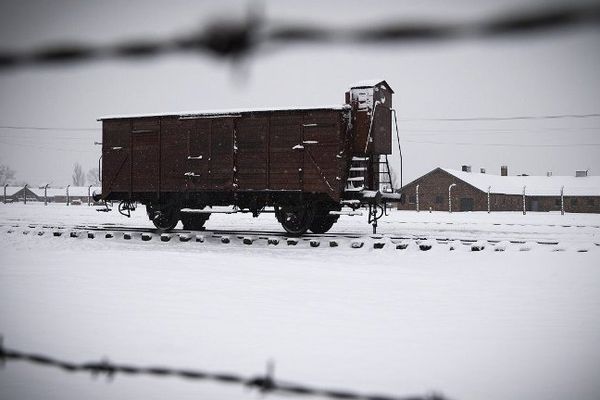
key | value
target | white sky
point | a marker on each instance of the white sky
(539, 75)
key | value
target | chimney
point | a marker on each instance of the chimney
(581, 173)
(466, 168)
(549, 173)
(482, 170)
(504, 170)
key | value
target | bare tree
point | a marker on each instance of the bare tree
(6, 174)
(93, 177)
(78, 175)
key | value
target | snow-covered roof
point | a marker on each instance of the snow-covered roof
(191, 114)
(370, 83)
(78, 191)
(534, 185)
(12, 190)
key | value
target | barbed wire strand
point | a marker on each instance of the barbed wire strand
(264, 383)
(236, 39)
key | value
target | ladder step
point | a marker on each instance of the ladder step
(356, 179)
(358, 168)
(355, 189)
(360, 158)
(350, 202)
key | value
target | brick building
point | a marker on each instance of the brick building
(470, 191)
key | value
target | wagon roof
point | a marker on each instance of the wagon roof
(191, 114)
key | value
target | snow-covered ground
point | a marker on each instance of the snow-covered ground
(471, 325)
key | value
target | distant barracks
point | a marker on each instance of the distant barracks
(478, 191)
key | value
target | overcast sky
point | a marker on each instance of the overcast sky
(537, 75)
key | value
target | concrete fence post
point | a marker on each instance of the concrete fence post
(417, 193)
(488, 198)
(68, 199)
(46, 194)
(450, 197)
(89, 195)
(5, 186)
(562, 200)
(524, 202)
(25, 194)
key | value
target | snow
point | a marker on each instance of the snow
(225, 112)
(470, 324)
(535, 185)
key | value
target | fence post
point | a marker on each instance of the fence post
(450, 197)
(5, 186)
(89, 195)
(46, 194)
(562, 200)
(25, 194)
(524, 202)
(417, 189)
(68, 194)
(488, 198)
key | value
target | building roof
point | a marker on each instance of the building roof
(233, 111)
(78, 191)
(534, 185)
(12, 190)
(370, 83)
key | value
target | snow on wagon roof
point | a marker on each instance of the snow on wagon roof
(183, 114)
(535, 185)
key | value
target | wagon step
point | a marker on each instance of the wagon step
(349, 212)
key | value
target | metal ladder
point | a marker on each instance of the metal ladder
(358, 175)
(385, 175)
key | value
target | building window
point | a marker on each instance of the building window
(412, 199)
(557, 202)
(590, 201)
(574, 202)
(439, 199)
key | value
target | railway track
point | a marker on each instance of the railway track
(277, 239)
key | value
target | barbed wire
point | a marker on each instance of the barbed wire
(236, 39)
(264, 383)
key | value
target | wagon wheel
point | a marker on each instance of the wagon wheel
(295, 219)
(194, 221)
(166, 219)
(322, 224)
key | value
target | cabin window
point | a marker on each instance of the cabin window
(412, 199)
(439, 199)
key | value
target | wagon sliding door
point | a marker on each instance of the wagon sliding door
(209, 156)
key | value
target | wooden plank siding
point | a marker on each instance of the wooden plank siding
(252, 151)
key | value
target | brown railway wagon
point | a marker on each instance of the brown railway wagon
(297, 160)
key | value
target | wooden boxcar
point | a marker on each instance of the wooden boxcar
(306, 163)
